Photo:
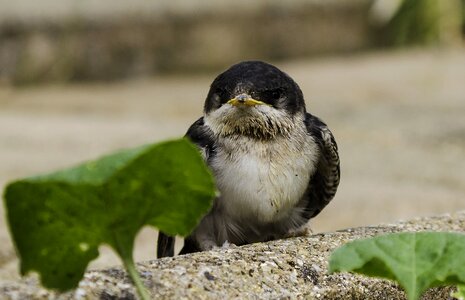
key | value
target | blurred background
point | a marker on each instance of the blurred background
(80, 78)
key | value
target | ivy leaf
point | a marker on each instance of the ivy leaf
(460, 294)
(58, 220)
(417, 261)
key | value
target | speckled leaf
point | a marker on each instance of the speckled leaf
(460, 294)
(58, 220)
(417, 261)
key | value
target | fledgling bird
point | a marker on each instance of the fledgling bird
(275, 165)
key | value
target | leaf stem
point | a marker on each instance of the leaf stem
(134, 275)
(128, 262)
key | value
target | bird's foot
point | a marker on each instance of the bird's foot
(228, 245)
(302, 231)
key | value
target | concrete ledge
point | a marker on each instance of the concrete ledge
(291, 268)
(134, 39)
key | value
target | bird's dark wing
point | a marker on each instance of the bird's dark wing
(202, 136)
(324, 182)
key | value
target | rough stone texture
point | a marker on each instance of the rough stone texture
(101, 40)
(284, 269)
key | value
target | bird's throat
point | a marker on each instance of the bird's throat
(252, 122)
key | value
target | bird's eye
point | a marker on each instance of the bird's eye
(272, 95)
(221, 93)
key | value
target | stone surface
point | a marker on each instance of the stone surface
(284, 269)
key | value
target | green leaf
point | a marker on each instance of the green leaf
(58, 220)
(460, 294)
(417, 261)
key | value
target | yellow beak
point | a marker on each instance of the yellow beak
(245, 100)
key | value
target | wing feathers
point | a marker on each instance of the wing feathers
(323, 184)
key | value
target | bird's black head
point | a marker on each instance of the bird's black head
(254, 99)
(258, 81)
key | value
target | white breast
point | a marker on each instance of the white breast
(262, 181)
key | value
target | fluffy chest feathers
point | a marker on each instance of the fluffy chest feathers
(262, 181)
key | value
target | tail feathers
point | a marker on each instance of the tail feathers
(165, 245)
(190, 246)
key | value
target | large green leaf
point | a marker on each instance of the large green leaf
(417, 261)
(58, 220)
(460, 294)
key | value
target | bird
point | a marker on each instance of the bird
(275, 165)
